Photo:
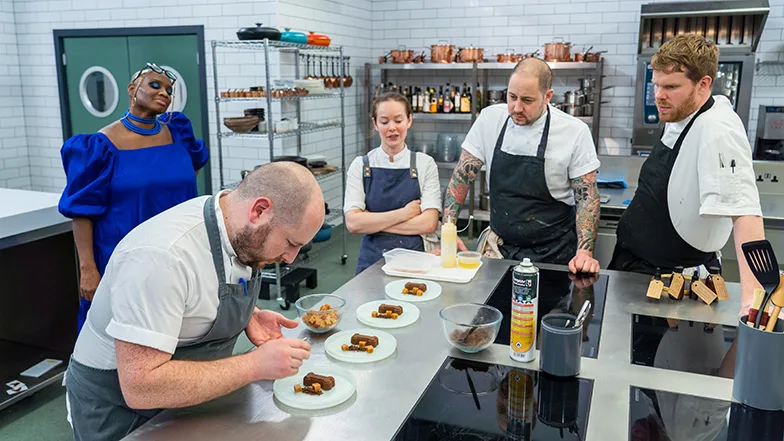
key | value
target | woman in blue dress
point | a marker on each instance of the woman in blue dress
(126, 173)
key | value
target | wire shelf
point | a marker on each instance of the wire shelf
(256, 99)
(304, 128)
(279, 45)
(319, 178)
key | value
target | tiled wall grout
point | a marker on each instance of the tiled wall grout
(30, 131)
(526, 25)
(14, 158)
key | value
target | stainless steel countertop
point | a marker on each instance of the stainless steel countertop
(387, 391)
(26, 216)
(772, 205)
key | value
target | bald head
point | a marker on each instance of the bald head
(536, 68)
(290, 187)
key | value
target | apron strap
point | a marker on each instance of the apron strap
(500, 141)
(213, 234)
(413, 165)
(365, 167)
(677, 147)
(545, 136)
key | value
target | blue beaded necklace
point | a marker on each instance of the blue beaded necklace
(128, 117)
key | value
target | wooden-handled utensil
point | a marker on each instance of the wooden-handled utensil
(762, 261)
(778, 300)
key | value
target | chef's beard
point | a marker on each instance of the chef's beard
(249, 246)
(685, 109)
(528, 121)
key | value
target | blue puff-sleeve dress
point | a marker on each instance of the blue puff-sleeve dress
(120, 189)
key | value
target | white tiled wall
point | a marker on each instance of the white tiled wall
(30, 131)
(344, 20)
(525, 25)
(14, 162)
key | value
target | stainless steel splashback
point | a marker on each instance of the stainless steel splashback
(735, 25)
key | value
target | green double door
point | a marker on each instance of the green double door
(98, 70)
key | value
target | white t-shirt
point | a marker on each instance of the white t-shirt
(160, 288)
(698, 179)
(570, 150)
(427, 176)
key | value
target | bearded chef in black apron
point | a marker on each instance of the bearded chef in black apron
(698, 185)
(544, 203)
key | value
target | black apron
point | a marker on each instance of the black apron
(523, 213)
(97, 407)
(647, 239)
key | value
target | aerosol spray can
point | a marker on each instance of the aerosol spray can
(525, 307)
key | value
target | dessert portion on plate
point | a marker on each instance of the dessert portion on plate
(315, 384)
(388, 311)
(361, 343)
(416, 289)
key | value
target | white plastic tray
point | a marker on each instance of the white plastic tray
(454, 275)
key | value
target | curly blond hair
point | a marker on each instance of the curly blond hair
(688, 53)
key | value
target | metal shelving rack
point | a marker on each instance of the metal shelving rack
(303, 128)
(473, 70)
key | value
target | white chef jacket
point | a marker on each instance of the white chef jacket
(570, 149)
(427, 176)
(160, 288)
(702, 194)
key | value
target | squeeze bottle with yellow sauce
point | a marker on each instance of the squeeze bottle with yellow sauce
(448, 244)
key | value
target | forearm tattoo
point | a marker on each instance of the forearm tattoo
(586, 197)
(465, 173)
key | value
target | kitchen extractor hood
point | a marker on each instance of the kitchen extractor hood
(734, 25)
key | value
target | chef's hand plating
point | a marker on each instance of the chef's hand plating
(265, 325)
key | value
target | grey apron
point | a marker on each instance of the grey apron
(98, 409)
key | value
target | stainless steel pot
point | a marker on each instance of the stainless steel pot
(587, 109)
(574, 97)
(586, 83)
(572, 109)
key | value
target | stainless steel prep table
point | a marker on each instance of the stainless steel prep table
(39, 298)
(389, 390)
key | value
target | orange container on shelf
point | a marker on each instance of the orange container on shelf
(318, 39)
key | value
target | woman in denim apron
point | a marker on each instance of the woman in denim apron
(393, 195)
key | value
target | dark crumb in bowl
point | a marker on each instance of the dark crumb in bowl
(467, 338)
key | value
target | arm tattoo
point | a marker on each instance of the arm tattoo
(465, 173)
(586, 197)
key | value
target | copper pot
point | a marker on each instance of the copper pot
(593, 57)
(402, 56)
(557, 50)
(471, 55)
(509, 57)
(442, 52)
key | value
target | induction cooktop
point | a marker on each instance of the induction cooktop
(559, 291)
(683, 345)
(667, 416)
(468, 400)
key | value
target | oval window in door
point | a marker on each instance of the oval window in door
(98, 91)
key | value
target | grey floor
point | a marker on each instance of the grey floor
(42, 416)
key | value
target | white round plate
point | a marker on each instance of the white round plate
(409, 316)
(345, 386)
(395, 290)
(386, 346)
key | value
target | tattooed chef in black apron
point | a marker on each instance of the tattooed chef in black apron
(176, 294)
(541, 172)
(698, 185)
